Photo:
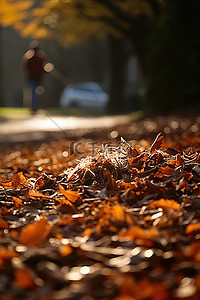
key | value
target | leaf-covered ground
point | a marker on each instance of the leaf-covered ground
(102, 219)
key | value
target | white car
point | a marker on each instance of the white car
(84, 95)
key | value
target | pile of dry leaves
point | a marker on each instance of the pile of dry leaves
(122, 224)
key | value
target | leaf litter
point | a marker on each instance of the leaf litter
(122, 224)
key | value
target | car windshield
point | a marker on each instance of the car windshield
(89, 86)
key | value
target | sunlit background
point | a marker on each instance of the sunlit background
(144, 54)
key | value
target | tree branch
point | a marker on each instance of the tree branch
(117, 11)
(155, 5)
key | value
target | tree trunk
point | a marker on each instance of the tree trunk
(141, 53)
(1, 72)
(117, 74)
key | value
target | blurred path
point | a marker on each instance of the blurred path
(35, 127)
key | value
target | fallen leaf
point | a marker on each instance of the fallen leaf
(112, 185)
(72, 196)
(194, 250)
(23, 279)
(157, 143)
(125, 298)
(19, 181)
(193, 228)
(165, 170)
(64, 201)
(130, 289)
(65, 250)
(165, 204)
(3, 224)
(137, 232)
(34, 194)
(33, 234)
(6, 255)
(18, 202)
(133, 233)
(88, 232)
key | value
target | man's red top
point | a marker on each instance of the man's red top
(33, 62)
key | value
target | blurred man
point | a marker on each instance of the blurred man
(33, 62)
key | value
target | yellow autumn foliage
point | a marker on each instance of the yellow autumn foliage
(12, 13)
(70, 21)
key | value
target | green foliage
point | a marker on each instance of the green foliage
(174, 60)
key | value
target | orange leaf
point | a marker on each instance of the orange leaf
(111, 216)
(112, 185)
(165, 170)
(6, 255)
(87, 232)
(34, 194)
(7, 184)
(165, 203)
(117, 213)
(14, 233)
(19, 181)
(33, 234)
(137, 232)
(3, 224)
(23, 279)
(194, 250)
(66, 250)
(18, 202)
(157, 143)
(193, 228)
(72, 196)
(121, 215)
(64, 201)
(134, 233)
(125, 298)
(66, 221)
(180, 161)
(130, 289)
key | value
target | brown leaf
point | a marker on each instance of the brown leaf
(171, 151)
(157, 143)
(112, 185)
(180, 160)
(196, 169)
(44, 182)
(34, 194)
